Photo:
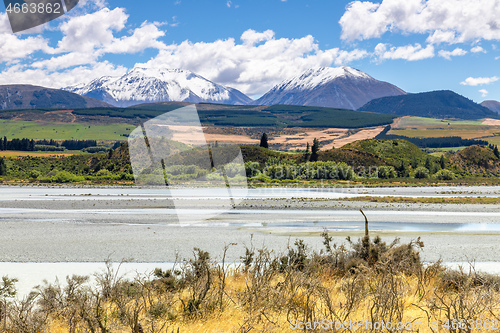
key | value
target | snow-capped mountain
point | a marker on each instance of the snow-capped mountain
(151, 85)
(341, 87)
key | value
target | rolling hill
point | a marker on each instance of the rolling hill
(492, 105)
(35, 97)
(251, 115)
(435, 104)
(391, 151)
(476, 160)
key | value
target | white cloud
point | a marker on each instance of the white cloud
(143, 38)
(4, 24)
(449, 21)
(256, 64)
(483, 92)
(439, 36)
(478, 49)
(455, 53)
(14, 47)
(478, 81)
(252, 37)
(86, 38)
(408, 52)
(19, 74)
(66, 60)
(88, 32)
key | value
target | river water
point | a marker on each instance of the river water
(55, 231)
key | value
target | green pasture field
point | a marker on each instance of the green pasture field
(421, 121)
(437, 152)
(63, 131)
(433, 128)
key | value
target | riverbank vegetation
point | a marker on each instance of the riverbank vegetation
(368, 280)
(372, 162)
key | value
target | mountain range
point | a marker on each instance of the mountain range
(151, 85)
(434, 104)
(35, 97)
(341, 87)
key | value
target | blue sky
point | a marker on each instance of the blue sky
(251, 45)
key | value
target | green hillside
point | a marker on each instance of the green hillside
(351, 157)
(64, 131)
(251, 116)
(476, 160)
(435, 104)
(391, 151)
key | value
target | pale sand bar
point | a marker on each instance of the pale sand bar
(65, 224)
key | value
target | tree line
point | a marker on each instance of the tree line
(441, 142)
(34, 145)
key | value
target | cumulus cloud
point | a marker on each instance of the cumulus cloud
(254, 65)
(4, 24)
(88, 32)
(66, 60)
(93, 35)
(20, 74)
(13, 47)
(478, 49)
(455, 53)
(445, 21)
(86, 38)
(478, 81)
(252, 37)
(408, 52)
(142, 38)
(483, 92)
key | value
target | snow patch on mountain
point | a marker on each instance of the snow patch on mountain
(151, 85)
(340, 87)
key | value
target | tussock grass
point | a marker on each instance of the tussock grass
(267, 292)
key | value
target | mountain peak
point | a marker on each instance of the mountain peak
(156, 84)
(338, 87)
(319, 76)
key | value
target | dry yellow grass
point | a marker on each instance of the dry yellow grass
(9, 153)
(371, 287)
(314, 301)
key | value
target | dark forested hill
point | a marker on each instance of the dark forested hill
(434, 104)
